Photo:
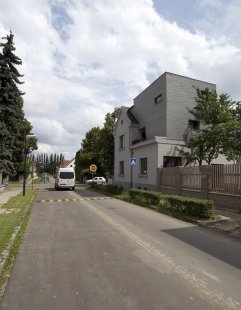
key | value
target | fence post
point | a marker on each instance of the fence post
(205, 179)
(178, 180)
(158, 179)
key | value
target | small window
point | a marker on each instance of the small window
(121, 167)
(194, 125)
(171, 161)
(143, 165)
(121, 121)
(158, 99)
(122, 142)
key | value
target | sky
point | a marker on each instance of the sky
(83, 58)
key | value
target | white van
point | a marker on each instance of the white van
(65, 178)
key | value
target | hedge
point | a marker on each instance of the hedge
(151, 198)
(108, 188)
(189, 206)
(195, 207)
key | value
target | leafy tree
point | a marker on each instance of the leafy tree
(216, 114)
(107, 143)
(204, 147)
(98, 148)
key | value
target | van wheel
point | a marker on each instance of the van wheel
(73, 188)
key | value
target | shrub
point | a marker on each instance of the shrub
(108, 188)
(150, 198)
(188, 206)
(199, 208)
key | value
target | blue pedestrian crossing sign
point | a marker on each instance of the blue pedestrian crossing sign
(133, 161)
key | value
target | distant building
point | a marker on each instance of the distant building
(67, 164)
(154, 128)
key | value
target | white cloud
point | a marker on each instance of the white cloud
(101, 54)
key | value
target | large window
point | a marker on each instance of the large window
(143, 166)
(171, 161)
(66, 175)
(122, 142)
(121, 167)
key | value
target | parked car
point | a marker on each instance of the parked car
(96, 180)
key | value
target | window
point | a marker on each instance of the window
(143, 165)
(121, 121)
(158, 99)
(171, 161)
(66, 175)
(121, 167)
(194, 125)
(143, 133)
(122, 142)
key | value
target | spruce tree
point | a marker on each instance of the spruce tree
(13, 125)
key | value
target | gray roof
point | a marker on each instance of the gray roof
(131, 117)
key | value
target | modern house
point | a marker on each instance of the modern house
(149, 134)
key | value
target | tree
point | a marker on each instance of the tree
(107, 143)
(216, 114)
(98, 148)
(13, 125)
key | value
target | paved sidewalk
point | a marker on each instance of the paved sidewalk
(5, 195)
(229, 223)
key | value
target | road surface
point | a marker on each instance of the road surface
(83, 250)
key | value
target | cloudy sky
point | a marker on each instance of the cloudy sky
(82, 58)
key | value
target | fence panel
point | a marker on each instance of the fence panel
(226, 179)
(191, 178)
(168, 177)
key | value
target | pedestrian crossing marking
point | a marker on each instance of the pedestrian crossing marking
(71, 200)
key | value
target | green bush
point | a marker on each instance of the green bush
(150, 198)
(108, 188)
(188, 206)
(199, 208)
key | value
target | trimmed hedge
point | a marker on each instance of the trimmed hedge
(151, 198)
(189, 206)
(199, 208)
(108, 188)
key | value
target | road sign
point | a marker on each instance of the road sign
(133, 161)
(93, 168)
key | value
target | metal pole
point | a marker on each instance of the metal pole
(24, 166)
(32, 175)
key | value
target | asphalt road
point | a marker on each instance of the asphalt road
(83, 250)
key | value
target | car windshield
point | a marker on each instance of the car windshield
(66, 175)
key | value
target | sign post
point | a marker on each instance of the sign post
(133, 164)
(93, 169)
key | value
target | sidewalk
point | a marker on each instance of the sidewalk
(5, 195)
(230, 222)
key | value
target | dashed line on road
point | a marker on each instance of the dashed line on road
(72, 199)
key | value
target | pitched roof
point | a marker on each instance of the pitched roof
(65, 163)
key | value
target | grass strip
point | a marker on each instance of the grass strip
(27, 205)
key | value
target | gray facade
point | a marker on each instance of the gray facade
(154, 129)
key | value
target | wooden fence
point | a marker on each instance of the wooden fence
(217, 182)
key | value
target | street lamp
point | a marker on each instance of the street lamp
(25, 159)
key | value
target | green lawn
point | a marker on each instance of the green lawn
(8, 221)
